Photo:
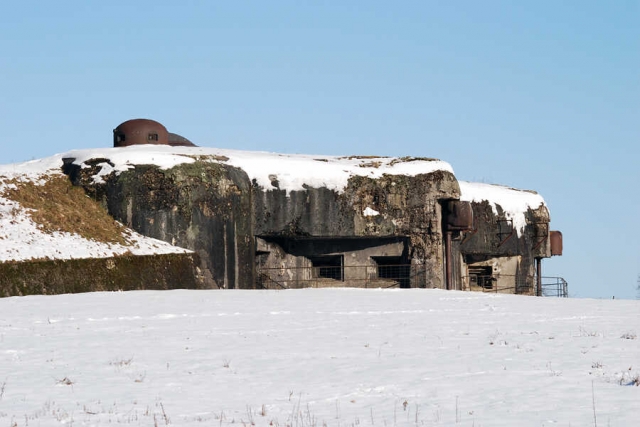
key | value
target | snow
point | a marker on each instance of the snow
(335, 357)
(31, 170)
(21, 239)
(513, 202)
(292, 171)
(370, 212)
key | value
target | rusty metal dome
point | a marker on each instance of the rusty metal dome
(176, 140)
(140, 131)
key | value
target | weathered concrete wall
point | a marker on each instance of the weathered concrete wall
(311, 212)
(201, 206)
(122, 273)
(216, 211)
(407, 205)
(506, 276)
(495, 242)
(496, 236)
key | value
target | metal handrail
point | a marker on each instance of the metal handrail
(521, 284)
(371, 275)
(399, 275)
(554, 287)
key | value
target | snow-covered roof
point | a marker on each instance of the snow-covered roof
(22, 239)
(513, 202)
(292, 171)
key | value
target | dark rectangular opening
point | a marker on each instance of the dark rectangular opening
(328, 267)
(393, 267)
(481, 276)
(153, 137)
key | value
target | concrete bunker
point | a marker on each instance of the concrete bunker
(268, 220)
(503, 249)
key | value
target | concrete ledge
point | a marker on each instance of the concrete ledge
(123, 273)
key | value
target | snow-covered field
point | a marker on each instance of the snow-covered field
(335, 357)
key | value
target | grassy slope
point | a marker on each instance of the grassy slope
(59, 206)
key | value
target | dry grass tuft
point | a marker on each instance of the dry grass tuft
(65, 381)
(362, 157)
(59, 206)
(204, 158)
(407, 159)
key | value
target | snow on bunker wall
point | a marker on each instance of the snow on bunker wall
(289, 172)
(513, 202)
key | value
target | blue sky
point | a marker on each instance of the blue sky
(539, 95)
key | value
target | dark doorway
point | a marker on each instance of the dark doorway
(393, 267)
(328, 267)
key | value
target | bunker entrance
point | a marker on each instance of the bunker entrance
(302, 261)
(481, 276)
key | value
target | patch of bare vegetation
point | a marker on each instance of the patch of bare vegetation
(57, 205)
(406, 159)
(375, 164)
(363, 157)
(119, 363)
(65, 381)
(204, 158)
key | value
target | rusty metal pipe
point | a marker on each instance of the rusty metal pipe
(539, 277)
(448, 261)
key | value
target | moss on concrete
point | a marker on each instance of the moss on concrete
(124, 273)
(203, 206)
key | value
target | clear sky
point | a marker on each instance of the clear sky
(541, 95)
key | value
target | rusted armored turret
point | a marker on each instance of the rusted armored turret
(145, 131)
